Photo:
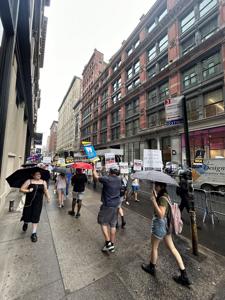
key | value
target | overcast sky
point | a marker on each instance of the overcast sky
(75, 28)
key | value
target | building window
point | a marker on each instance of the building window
(213, 103)
(163, 43)
(162, 118)
(164, 91)
(205, 6)
(163, 63)
(117, 65)
(209, 29)
(133, 70)
(132, 128)
(188, 45)
(190, 78)
(95, 140)
(133, 84)
(117, 85)
(151, 27)
(1, 32)
(115, 133)
(152, 53)
(187, 21)
(95, 127)
(104, 123)
(104, 137)
(116, 98)
(115, 117)
(152, 120)
(132, 108)
(133, 46)
(96, 103)
(104, 95)
(162, 15)
(193, 109)
(151, 72)
(104, 106)
(211, 66)
(152, 98)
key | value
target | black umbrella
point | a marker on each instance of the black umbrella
(28, 165)
(17, 178)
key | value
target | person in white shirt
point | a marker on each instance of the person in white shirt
(61, 189)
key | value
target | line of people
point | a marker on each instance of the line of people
(113, 191)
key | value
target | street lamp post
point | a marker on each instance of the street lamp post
(192, 212)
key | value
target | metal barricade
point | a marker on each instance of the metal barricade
(216, 204)
(201, 202)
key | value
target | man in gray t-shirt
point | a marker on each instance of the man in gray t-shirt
(107, 216)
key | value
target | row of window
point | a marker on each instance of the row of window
(204, 7)
(206, 105)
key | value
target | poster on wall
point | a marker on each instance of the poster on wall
(137, 165)
(173, 110)
(152, 159)
(124, 168)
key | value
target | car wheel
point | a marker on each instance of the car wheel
(207, 187)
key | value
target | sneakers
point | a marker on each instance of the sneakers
(182, 279)
(25, 226)
(109, 247)
(77, 215)
(34, 237)
(71, 213)
(59, 206)
(127, 203)
(62, 205)
(150, 268)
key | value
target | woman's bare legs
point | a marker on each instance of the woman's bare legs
(170, 245)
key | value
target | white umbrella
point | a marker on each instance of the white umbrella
(155, 176)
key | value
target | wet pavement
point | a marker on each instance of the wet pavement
(67, 262)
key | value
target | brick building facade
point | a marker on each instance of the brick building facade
(178, 48)
(53, 138)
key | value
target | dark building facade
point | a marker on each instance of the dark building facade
(178, 48)
(22, 42)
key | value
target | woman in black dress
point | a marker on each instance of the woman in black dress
(35, 189)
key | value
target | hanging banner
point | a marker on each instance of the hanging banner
(153, 159)
(137, 165)
(124, 168)
(173, 110)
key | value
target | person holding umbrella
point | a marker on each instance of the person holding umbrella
(34, 189)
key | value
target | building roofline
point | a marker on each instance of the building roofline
(71, 84)
(92, 56)
(77, 103)
(53, 123)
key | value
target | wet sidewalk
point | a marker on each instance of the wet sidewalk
(67, 263)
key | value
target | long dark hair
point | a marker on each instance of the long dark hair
(163, 190)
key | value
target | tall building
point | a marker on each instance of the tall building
(178, 48)
(22, 42)
(77, 123)
(66, 121)
(53, 138)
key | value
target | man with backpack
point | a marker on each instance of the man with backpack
(164, 221)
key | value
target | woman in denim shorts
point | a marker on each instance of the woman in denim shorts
(160, 231)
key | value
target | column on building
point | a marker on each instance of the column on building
(142, 107)
(109, 124)
(221, 13)
(171, 4)
(123, 83)
(122, 122)
(99, 122)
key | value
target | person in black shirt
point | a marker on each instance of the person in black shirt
(78, 182)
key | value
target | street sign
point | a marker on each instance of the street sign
(173, 110)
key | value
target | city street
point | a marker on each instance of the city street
(67, 262)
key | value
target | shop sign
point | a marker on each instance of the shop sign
(173, 110)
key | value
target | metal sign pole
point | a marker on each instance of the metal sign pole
(192, 212)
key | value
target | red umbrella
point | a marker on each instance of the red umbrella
(82, 165)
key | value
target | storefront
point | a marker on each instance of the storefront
(211, 140)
